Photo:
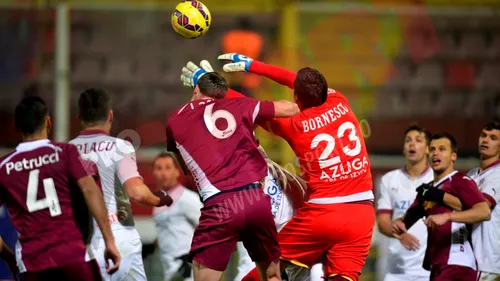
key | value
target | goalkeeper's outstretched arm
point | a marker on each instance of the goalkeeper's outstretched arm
(278, 74)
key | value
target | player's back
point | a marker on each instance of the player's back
(215, 139)
(38, 183)
(115, 161)
(329, 144)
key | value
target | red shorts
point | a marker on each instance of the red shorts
(453, 273)
(231, 217)
(339, 235)
(84, 271)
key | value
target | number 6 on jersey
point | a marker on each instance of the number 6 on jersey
(50, 201)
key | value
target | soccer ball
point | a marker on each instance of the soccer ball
(191, 19)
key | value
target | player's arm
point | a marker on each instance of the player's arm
(384, 209)
(9, 258)
(132, 181)
(278, 74)
(474, 204)
(415, 212)
(427, 192)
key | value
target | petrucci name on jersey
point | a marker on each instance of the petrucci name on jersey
(346, 170)
(326, 118)
(33, 163)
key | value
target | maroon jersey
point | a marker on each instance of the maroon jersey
(450, 243)
(38, 185)
(216, 140)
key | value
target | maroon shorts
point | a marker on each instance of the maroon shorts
(84, 271)
(227, 218)
(453, 273)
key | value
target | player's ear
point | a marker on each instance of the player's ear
(48, 122)
(110, 115)
(453, 156)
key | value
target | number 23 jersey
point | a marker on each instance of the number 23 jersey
(329, 144)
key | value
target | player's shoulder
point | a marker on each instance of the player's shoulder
(334, 94)
(461, 179)
(392, 175)
(61, 146)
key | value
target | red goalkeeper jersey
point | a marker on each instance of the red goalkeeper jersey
(328, 142)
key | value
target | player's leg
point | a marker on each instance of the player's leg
(298, 273)
(245, 263)
(260, 236)
(136, 270)
(36, 275)
(352, 240)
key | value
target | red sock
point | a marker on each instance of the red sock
(253, 275)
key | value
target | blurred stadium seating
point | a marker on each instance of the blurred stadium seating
(435, 62)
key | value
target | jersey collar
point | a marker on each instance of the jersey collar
(30, 145)
(489, 166)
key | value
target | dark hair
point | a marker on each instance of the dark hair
(213, 85)
(444, 135)
(30, 114)
(419, 129)
(93, 106)
(311, 88)
(492, 125)
(167, 154)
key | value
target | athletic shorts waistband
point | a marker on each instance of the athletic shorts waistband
(253, 185)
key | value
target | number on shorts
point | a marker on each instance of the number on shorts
(210, 117)
(50, 201)
(323, 159)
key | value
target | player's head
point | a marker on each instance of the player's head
(94, 108)
(311, 88)
(489, 140)
(442, 152)
(31, 117)
(416, 145)
(211, 85)
(166, 170)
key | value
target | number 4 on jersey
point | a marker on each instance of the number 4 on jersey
(50, 201)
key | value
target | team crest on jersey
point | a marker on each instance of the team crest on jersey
(429, 204)
(480, 183)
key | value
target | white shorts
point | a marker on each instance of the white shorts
(129, 245)
(486, 276)
(405, 277)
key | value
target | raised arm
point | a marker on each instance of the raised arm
(239, 62)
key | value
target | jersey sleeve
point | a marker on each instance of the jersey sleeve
(127, 165)
(77, 166)
(278, 74)
(384, 204)
(171, 145)
(491, 189)
(468, 192)
(260, 111)
(231, 94)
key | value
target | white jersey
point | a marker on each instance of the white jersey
(115, 160)
(486, 235)
(175, 226)
(397, 192)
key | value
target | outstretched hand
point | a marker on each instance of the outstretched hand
(236, 63)
(191, 73)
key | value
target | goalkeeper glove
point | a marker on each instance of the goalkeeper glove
(165, 199)
(191, 73)
(237, 62)
(427, 192)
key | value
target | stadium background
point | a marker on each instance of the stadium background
(435, 63)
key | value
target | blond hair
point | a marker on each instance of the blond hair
(285, 179)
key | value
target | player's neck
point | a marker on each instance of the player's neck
(486, 162)
(414, 170)
(444, 174)
(36, 136)
(104, 127)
